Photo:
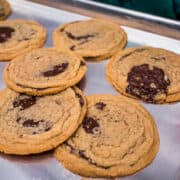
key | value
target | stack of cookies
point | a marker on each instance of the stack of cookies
(98, 135)
(31, 122)
(40, 109)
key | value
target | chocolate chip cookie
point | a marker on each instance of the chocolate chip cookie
(31, 124)
(20, 36)
(146, 73)
(5, 9)
(92, 39)
(44, 71)
(117, 137)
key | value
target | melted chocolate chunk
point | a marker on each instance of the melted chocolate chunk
(100, 105)
(82, 155)
(24, 103)
(146, 83)
(18, 119)
(72, 48)
(161, 58)
(89, 124)
(81, 101)
(71, 36)
(48, 128)
(56, 70)
(5, 33)
(31, 123)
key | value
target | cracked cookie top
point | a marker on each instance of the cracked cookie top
(91, 39)
(116, 137)
(20, 36)
(31, 124)
(150, 74)
(45, 68)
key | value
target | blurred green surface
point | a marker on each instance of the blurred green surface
(164, 8)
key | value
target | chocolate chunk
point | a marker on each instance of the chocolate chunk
(160, 58)
(5, 33)
(25, 102)
(71, 36)
(72, 48)
(82, 155)
(81, 101)
(31, 123)
(18, 119)
(100, 105)
(48, 128)
(56, 70)
(89, 124)
(146, 83)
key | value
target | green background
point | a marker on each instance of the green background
(164, 8)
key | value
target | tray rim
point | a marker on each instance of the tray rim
(51, 13)
(131, 32)
(131, 12)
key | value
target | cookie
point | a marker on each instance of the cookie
(20, 36)
(44, 71)
(5, 9)
(92, 39)
(31, 124)
(146, 73)
(117, 137)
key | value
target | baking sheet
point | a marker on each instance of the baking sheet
(166, 165)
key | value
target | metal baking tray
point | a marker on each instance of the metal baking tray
(166, 165)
